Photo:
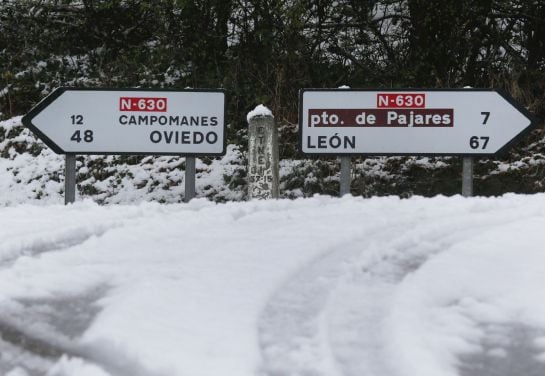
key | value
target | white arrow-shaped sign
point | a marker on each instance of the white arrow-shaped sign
(131, 121)
(467, 122)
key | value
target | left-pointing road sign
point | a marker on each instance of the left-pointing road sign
(131, 121)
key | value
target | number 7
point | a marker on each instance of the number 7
(486, 116)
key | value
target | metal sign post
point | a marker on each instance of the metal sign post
(345, 178)
(467, 176)
(189, 178)
(70, 179)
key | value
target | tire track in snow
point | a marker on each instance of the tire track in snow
(11, 250)
(49, 349)
(45, 330)
(294, 328)
(34, 243)
(359, 329)
(316, 324)
(113, 363)
(507, 350)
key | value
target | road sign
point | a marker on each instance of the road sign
(468, 122)
(131, 121)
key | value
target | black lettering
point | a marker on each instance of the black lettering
(168, 136)
(349, 141)
(155, 137)
(213, 121)
(322, 142)
(174, 120)
(76, 136)
(198, 138)
(88, 136)
(211, 137)
(194, 120)
(186, 137)
(309, 143)
(142, 120)
(335, 141)
(123, 119)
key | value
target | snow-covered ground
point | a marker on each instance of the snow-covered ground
(309, 287)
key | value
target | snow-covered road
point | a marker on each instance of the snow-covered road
(313, 287)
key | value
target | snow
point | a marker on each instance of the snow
(260, 110)
(319, 286)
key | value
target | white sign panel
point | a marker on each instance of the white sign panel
(131, 121)
(408, 122)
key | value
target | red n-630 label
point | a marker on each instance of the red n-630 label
(401, 100)
(142, 104)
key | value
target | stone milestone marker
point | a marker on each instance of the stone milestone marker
(263, 174)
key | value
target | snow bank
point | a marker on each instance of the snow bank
(320, 286)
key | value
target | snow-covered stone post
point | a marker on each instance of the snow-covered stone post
(263, 175)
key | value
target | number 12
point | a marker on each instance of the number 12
(77, 119)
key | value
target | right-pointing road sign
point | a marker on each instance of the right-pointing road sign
(409, 122)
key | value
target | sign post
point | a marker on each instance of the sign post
(467, 176)
(345, 179)
(437, 122)
(189, 178)
(131, 121)
(70, 179)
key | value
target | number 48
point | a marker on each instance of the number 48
(87, 136)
